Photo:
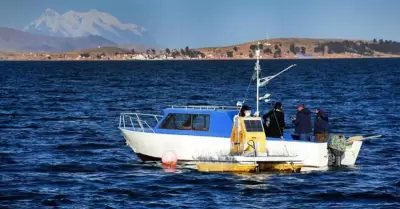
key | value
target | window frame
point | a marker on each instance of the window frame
(172, 116)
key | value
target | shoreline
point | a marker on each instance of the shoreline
(217, 59)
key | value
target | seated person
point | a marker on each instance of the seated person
(188, 124)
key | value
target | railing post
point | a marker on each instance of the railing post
(123, 120)
(156, 118)
(140, 122)
(148, 126)
(133, 126)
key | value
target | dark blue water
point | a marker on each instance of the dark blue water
(60, 146)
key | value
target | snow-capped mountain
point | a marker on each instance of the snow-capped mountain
(15, 40)
(93, 22)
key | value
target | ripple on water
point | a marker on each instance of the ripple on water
(60, 145)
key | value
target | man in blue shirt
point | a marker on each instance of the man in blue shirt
(302, 123)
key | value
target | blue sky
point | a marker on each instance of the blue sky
(177, 23)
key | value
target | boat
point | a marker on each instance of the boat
(192, 132)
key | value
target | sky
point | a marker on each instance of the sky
(200, 23)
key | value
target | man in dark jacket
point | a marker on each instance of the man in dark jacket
(321, 125)
(276, 121)
(302, 123)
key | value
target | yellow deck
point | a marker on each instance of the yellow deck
(247, 168)
(226, 167)
(279, 167)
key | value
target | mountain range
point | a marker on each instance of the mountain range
(15, 40)
(55, 32)
(78, 24)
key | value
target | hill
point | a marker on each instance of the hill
(106, 51)
(15, 40)
(297, 47)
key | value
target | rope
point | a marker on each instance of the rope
(279, 127)
(245, 95)
(247, 90)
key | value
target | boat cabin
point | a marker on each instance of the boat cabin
(199, 121)
(213, 121)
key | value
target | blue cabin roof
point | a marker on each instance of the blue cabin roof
(220, 122)
(220, 125)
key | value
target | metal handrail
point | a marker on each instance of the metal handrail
(206, 107)
(143, 125)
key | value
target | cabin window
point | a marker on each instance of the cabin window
(201, 122)
(198, 122)
(253, 126)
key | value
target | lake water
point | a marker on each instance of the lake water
(60, 145)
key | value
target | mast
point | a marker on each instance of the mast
(257, 69)
(261, 82)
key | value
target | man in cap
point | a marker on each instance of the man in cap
(302, 123)
(321, 125)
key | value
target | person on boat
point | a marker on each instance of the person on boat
(276, 119)
(302, 123)
(244, 111)
(321, 125)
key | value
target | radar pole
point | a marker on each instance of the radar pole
(257, 69)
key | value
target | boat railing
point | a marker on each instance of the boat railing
(138, 121)
(199, 107)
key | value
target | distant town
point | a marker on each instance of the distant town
(289, 48)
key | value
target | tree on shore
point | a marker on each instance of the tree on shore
(229, 53)
(235, 48)
(167, 50)
(278, 53)
(388, 41)
(175, 54)
(267, 51)
(153, 51)
(261, 46)
(292, 48)
(187, 50)
(253, 47)
(86, 55)
(99, 56)
(319, 48)
(251, 55)
(133, 51)
(374, 41)
(303, 50)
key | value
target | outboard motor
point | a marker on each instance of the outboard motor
(337, 145)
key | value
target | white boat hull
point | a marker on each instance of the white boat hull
(152, 146)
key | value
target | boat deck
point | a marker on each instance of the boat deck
(292, 137)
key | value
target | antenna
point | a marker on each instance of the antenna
(257, 69)
(262, 81)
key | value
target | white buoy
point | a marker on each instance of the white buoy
(169, 158)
